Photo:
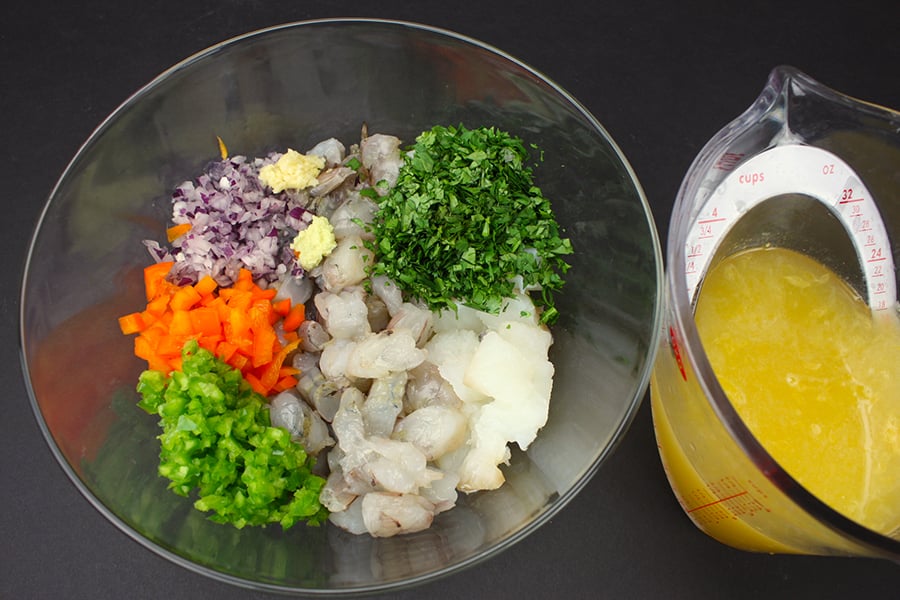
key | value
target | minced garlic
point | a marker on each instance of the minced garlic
(292, 171)
(314, 243)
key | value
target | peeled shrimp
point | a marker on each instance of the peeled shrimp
(344, 315)
(336, 495)
(352, 215)
(380, 155)
(426, 387)
(331, 179)
(304, 424)
(384, 403)
(442, 492)
(350, 517)
(381, 353)
(313, 336)
(390, 294)
(435, 430)
(346, 265)
(422, 405)
(414, 318)
(386, 515)
(332, 150)
(324, 395)
(375, 462)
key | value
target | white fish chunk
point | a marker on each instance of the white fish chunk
(452, 351)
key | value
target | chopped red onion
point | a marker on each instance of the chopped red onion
(236, 222)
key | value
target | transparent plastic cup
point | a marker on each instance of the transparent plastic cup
(777, 175)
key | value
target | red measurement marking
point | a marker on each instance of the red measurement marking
(850, 200)
(702, 221)
(728, 161)
(876, 255)
(676, 352)
(719, 501)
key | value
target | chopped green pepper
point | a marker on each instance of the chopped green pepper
(217, 440)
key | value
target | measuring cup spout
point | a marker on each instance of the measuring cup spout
(799, 145)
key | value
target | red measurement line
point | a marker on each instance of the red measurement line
(704, 221)
(871, 260)
(719, 501)
(850, 200)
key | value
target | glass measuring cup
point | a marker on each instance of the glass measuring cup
(814, 171)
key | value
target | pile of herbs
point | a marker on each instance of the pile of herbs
(465, 220)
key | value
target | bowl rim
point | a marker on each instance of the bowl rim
(616, 436)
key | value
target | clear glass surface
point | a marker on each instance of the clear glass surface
(292, 86)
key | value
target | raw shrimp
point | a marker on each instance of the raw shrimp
(387, 290)
(435, 430)
(331, 179)
(386, 515)
(381, 157)
(344, 315)
(384, 403)
(335, 356)
(421, 405)
(346, 265)
(352, 216)
(381, 353)
(313, 336)
(375, 462)
(414, 318)
(426, 387)
(332, 150)
(305, 425)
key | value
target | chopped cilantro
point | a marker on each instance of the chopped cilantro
(464, 219)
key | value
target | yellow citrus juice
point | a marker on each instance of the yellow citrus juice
(812, 373)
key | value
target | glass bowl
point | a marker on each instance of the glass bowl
(292, 86)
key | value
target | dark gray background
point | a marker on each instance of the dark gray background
(662, 77)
